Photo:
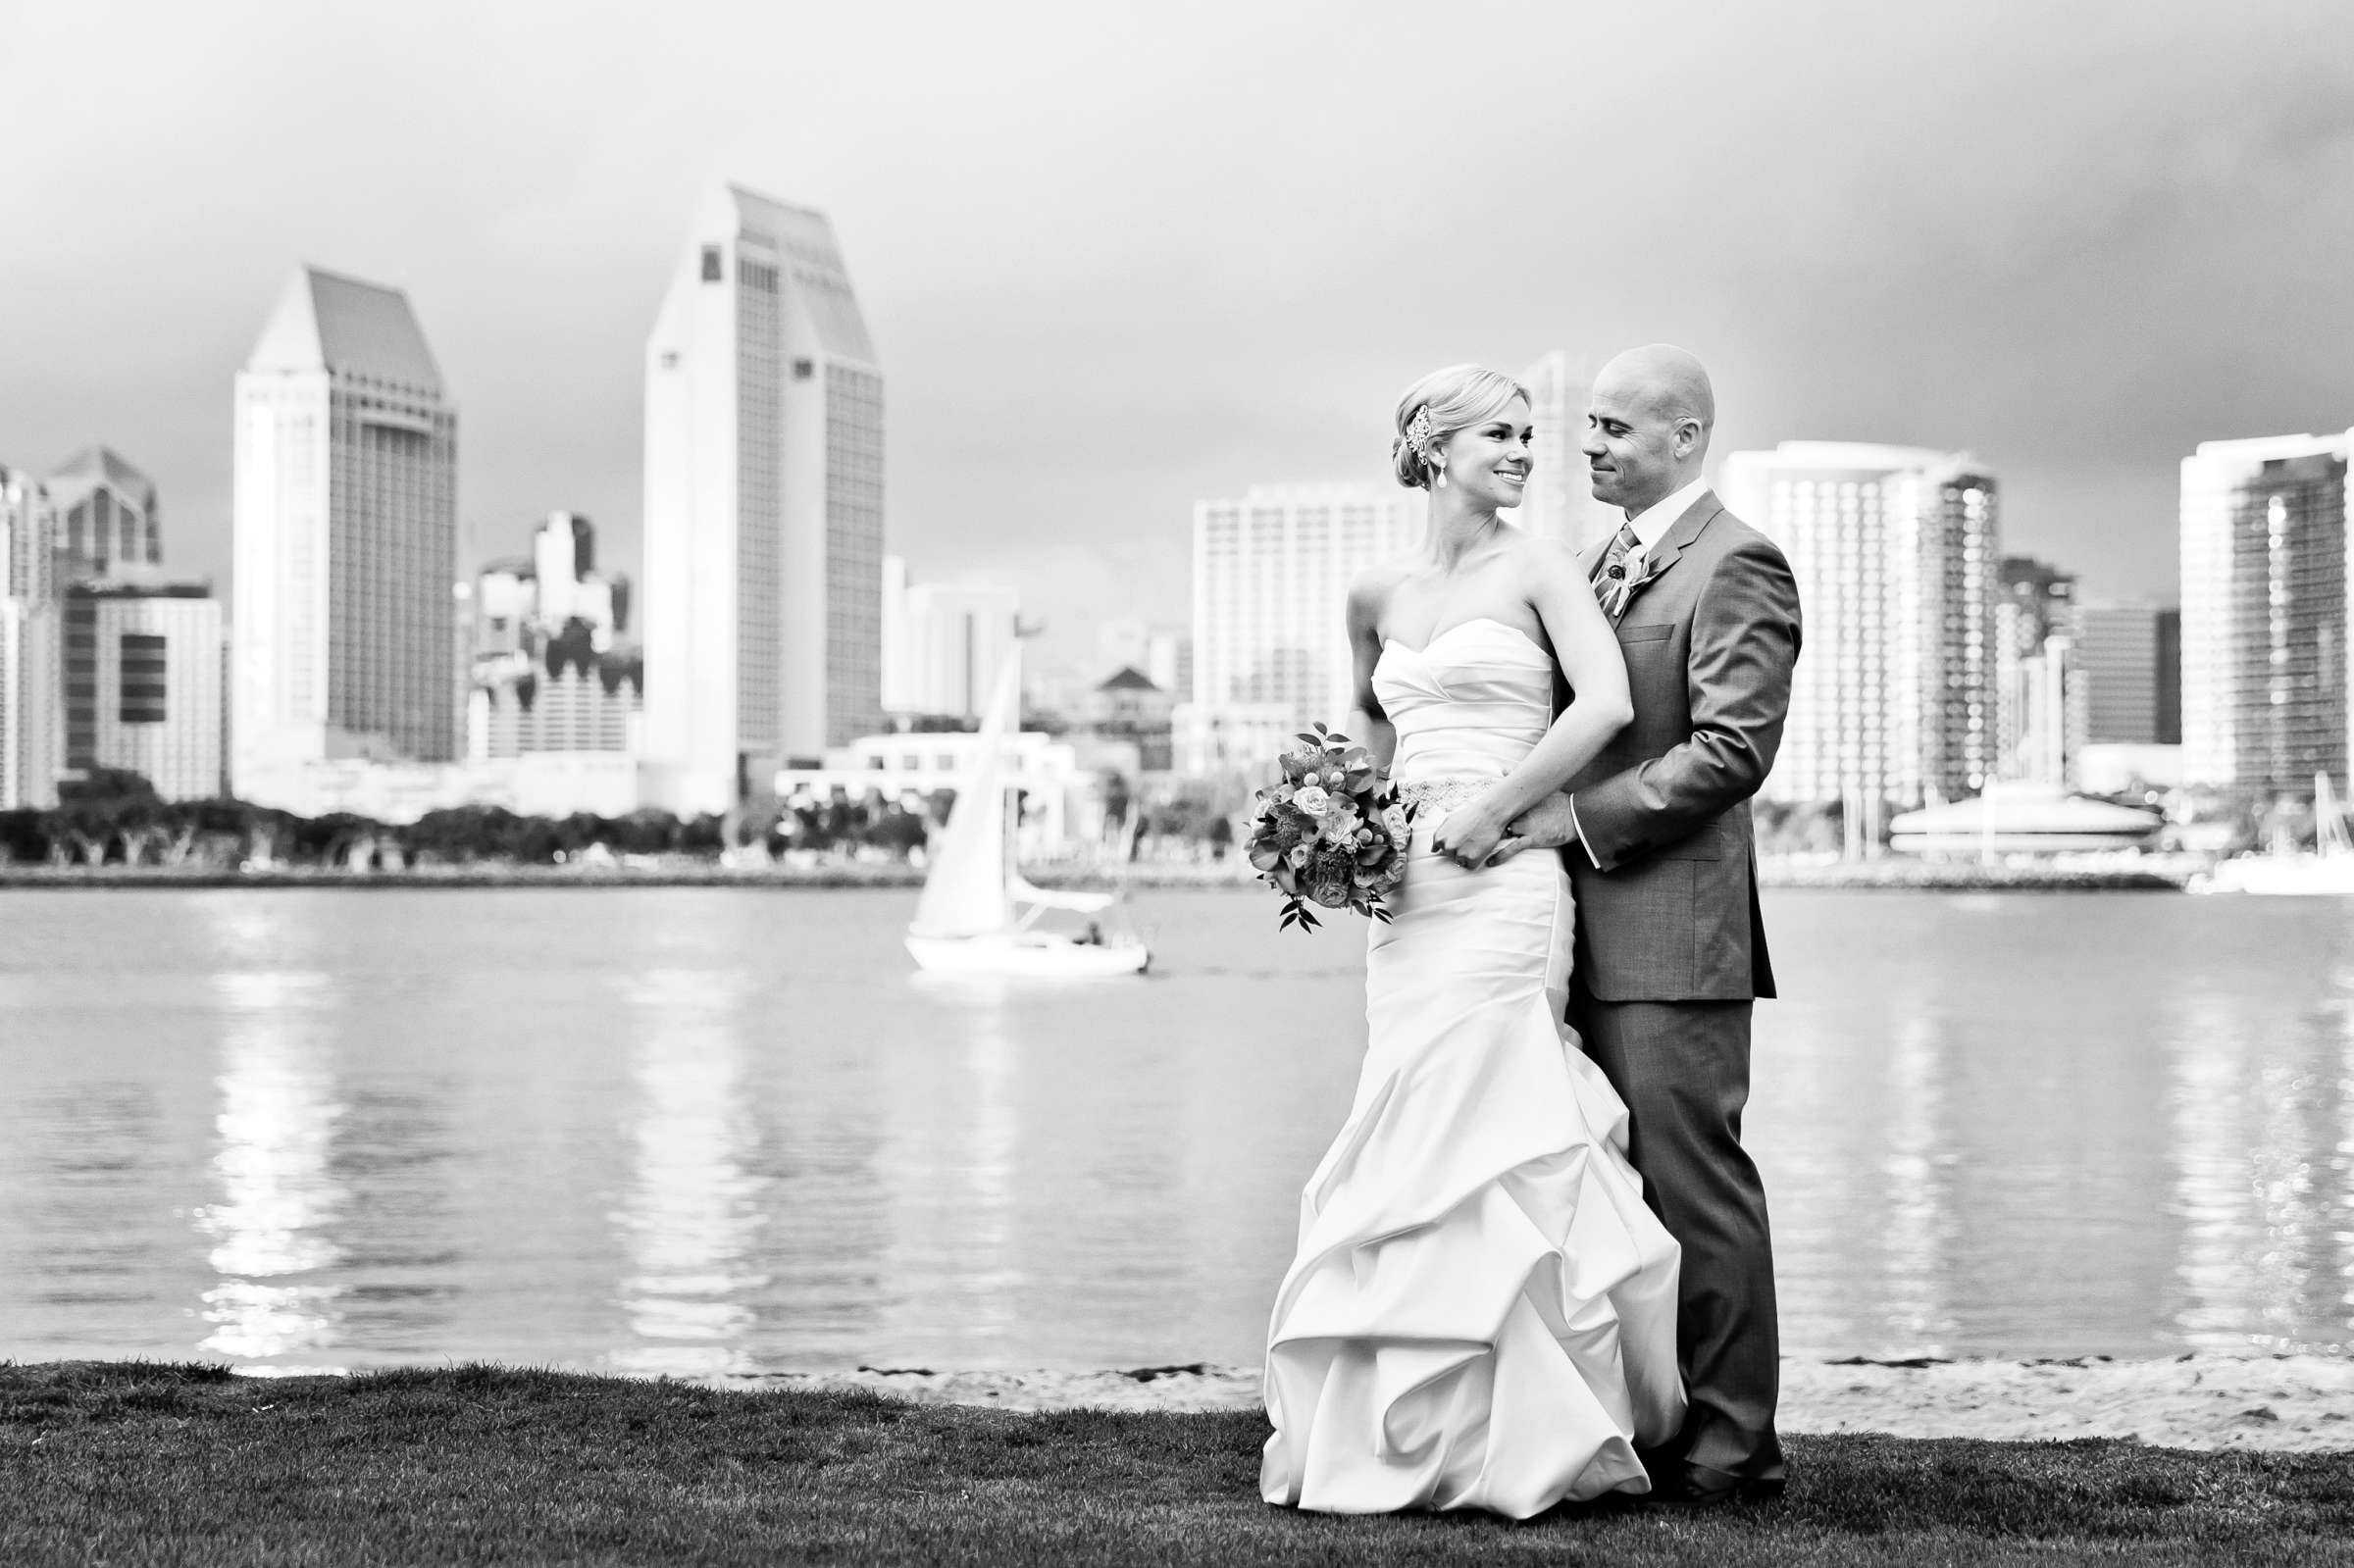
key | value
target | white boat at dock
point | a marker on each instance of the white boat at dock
(2326, 871)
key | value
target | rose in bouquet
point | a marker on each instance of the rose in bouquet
(1332, 833)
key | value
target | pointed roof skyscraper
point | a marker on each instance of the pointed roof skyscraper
(346, 539)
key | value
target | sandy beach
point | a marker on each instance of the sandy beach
(2195, 1401)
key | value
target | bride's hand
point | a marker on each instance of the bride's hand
(1469, 834)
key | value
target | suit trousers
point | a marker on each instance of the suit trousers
(1683, 1070)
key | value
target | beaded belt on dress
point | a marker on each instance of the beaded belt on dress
(1441, 795)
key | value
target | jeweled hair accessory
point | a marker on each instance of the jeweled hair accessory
(1417, 432)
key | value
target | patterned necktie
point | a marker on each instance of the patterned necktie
(1612, 565)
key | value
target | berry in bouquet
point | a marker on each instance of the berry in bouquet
(1332, 833)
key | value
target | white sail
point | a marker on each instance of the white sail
(965, 893)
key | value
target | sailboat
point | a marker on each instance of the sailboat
(977, 915)
(2326, 871)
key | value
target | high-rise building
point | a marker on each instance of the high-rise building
(1559, 503)
(1169, 661)
(143, 683)
(763, 506)
(107, 514)
(2037, 726)
(31, 714)
(1271, 576)
(944, 646)
(2127, 655)
(547, 671)
(2264, 613)
(2169, 676)
(347, 540)
(1895, 552)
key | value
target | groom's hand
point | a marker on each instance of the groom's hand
(1550, 824)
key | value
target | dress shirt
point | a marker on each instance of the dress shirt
(1656, 519)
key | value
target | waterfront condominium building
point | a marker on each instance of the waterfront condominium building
(944, 646)
(1895, 552)
(1271, 576)
(106, 514)
(763, 548)
(31, 720)
(2264, 613)
(347, 542)
(143, 683)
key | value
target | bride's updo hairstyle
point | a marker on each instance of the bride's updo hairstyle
(1436, 407)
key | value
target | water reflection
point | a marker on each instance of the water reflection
(692, 1216)
(2263, 1108)
(278, 1195)
(1913, 1270)
(701, 1129)
(949, 1161)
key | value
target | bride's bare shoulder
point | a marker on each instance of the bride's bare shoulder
(1529, 553)
(1369, 594)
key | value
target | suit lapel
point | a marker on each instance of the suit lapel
(1672, 543)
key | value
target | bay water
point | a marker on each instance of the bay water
(703, 1129)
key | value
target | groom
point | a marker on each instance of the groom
(1670, 945)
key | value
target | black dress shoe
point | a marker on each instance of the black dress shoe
(1697, 1486)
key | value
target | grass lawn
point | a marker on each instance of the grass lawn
(144, 1463)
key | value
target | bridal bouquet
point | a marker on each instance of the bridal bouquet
(1332, 833)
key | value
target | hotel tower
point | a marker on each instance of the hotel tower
(1896, 554)
(763, 548)
(347, 540)
(2264, 613)
(1271, 576)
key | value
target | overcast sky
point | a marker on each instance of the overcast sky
(1120, 257)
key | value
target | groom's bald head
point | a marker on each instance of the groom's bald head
(1648, 426)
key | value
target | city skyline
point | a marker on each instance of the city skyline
(2046, 288)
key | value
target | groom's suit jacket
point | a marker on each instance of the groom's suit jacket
(1666, 876)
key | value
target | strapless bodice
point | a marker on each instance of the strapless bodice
(1468, 704)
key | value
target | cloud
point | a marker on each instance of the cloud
(1121, 257)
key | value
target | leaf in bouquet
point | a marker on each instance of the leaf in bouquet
(1264, 856)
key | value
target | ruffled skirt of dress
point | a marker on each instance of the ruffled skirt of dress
(1482, 1311)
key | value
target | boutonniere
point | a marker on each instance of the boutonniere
(1616, 590)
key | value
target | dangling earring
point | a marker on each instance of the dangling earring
(1441, 482)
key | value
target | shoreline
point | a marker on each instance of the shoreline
(2269, 1402)
(1889, 875)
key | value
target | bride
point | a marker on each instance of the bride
(1482, 1311)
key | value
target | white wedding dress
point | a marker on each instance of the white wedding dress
(1482, 1311)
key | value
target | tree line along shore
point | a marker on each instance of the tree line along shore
(112, 829)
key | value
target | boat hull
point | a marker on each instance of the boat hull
(1028, 955)
(2286, 876)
